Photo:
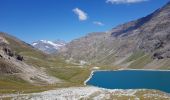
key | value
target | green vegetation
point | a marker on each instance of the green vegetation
(141, 62)
(138, 60)
(71, 74)
(12, 84)
(135, 56)
(165, 64)
(108, 60)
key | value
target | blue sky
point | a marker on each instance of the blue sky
(32, 20)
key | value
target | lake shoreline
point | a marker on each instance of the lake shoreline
(91, 74)
(93, 71)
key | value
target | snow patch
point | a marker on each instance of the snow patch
(34, 44)
(47, 46)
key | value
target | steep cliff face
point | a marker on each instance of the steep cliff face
(138, 42)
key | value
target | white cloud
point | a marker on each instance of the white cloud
(80, 13)
(98, 23)
(124, 1)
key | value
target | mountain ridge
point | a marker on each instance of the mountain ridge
(140, 39)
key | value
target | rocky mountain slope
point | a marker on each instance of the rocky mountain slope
(13, 62)
(48, 46)
(142, 43)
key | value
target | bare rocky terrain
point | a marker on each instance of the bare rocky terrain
(91, 93)
(13, 63)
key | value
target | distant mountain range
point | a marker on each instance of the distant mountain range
(49, 46)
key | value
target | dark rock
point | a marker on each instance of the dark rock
(157, 56)
(9, 52)
(19, 57)
(1, 56)
(158, 45)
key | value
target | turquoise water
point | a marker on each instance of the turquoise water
(131, 79)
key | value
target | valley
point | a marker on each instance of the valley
(58, 70)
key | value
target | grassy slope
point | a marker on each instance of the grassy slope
(140, 59)
(12, 84)
(135, 56)
(140, 62)
(72, 75)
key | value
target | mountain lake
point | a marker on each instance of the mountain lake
(131, 79)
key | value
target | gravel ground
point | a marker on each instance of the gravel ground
(92, 93)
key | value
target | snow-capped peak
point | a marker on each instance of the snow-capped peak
(48, 46)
